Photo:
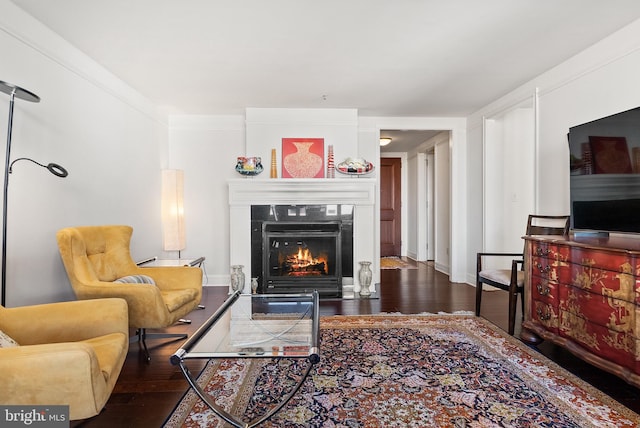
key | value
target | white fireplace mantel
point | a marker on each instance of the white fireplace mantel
(357, 191)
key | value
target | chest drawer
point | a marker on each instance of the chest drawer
(545, 314)
(614, 346)
(550, 250)
(551, 269)
(616, 262)
(544, 290)
(584, 308)
(605, 283)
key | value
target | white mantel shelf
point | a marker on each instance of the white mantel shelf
(357, 191)
(251, 191)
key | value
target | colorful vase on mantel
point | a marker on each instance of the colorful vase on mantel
(331, 169)
(274, 166)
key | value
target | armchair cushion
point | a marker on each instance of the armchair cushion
(502, 276)
(174, 299)
(6, 341)
(71, 354)
(136, 279)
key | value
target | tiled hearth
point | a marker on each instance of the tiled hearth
(359, 192)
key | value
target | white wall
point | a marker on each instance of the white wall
(509, 161)
(598, 82)
(411, 206)
(107, 136)
(416, 205)
(267, 127)
(443, 193)
(430, 211)
(206, 148)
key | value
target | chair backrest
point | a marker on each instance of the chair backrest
(95, 253)
(548, 225)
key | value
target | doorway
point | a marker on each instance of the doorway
(425, 189)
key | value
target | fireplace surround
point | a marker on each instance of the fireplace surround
(357, 192)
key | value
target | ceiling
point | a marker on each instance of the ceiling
(381, 57)
(404, 140)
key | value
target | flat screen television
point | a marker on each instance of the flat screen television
(604, 184)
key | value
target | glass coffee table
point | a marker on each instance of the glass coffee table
(255, 326)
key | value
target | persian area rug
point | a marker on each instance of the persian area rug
(395, 263)
(408, 371)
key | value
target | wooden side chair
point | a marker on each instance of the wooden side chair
(512, 279)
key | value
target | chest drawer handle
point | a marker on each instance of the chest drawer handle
(544, 291)
(541, 252)
(543, 269)
(543, 317)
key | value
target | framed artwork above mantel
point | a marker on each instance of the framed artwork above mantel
(303, 158)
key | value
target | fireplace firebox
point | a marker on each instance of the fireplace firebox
(301, 248)
(301, 257)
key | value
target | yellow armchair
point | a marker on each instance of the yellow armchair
(96, 256)
(69, 353)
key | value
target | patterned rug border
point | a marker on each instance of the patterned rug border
(552, 369)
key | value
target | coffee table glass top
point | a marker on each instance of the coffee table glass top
(259, 326)
(255, 326)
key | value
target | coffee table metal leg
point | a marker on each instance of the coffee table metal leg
(229, 418)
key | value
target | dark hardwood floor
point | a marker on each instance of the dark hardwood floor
(146, 394)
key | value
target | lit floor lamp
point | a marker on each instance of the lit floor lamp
(16, 92)
(173, 232)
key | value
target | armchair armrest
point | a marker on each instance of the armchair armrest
(66, 321)
(50, 373)
(500, 254)
(481, 255)
(173, 277)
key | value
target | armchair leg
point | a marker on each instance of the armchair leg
(513, 301)
(141, 337)
(478, 297)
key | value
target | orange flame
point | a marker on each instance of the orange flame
(304, 259)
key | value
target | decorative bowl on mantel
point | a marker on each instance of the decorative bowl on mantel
(249, 166)
(354, 166)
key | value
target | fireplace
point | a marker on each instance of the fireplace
(301, 257)
(351, 201)
(301, 248)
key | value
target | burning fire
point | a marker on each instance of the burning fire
(303, 263)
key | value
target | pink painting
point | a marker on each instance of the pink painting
(302, 157)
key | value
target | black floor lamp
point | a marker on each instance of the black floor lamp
(16, 92)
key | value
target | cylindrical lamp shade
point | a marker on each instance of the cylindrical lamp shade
(173, 234)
